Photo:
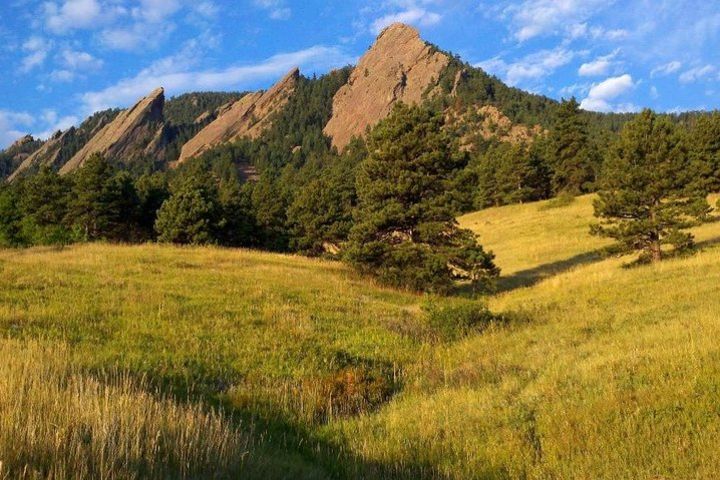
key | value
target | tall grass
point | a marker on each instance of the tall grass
(599, 372)
(58, 422)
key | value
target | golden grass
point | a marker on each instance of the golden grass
(615, 373)
(616, 376)
(58, 422)
(528, 236)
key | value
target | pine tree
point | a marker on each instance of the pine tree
(192, 215)
(152, 190)
(9, 217)
(510, 174)
(43, 204)
(321, 213)
(649, 195)
(404, 230)
(705, 150)
(572, 157)
(103, 203)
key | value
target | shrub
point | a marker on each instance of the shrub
(458, 321)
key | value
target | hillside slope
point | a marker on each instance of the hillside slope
(601, 372)
(613, 373)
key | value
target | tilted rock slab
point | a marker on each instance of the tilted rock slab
(47, 154)
(400, 66)
(248, 117)
(134, 133)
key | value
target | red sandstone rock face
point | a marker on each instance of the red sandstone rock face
(46, 155)
(248, 117)
(400, 66)
(134, 133)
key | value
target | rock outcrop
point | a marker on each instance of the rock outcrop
(21, 142)
(135, 133)
(488, 122)
(48, 154)
(248, 117)
(400, 66)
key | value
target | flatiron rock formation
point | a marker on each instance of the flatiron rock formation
(135, 133)
(400, 66)
(248, 117)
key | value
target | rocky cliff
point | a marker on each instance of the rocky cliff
(400, 66)
(135, 133)
(48, 154)
(248, 117)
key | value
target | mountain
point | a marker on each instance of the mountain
(248, 117)
(16, 153)
(399, 67)
(62, 146)
(138, 132)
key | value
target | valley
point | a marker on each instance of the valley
(601, 371)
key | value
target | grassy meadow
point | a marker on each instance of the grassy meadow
(158, 361)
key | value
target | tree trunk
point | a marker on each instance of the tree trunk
(655, 251)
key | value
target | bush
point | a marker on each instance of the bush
(562, 200)
(458, 321)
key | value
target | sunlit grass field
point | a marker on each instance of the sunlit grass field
(285, 367)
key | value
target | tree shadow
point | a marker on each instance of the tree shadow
(533, 276)
(281, 448)
(711, 242)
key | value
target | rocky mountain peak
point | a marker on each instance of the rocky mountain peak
(248, 117)
(21, 141)
(129, 135)
(400, 66)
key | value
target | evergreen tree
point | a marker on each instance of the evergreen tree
(270, 199)
(102, 204)
(705, 150)
(188, 217)
(510, 173)
(649, 194)
(404, 230)
(43, 205)
(152, 190)
(9, 217)
(572, 157)
(321, 213)
(238, 227)
(192, 214)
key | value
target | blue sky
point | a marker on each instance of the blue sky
(64, 59)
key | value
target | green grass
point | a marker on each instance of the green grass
(605, 371)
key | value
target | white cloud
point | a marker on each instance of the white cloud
(583, 30)
(74, 63)
(600, 95)
(13, 125)
(75, 14)
(415, 16)
(136, 36)
(277, 10)
(598, 67)
(150, 24)
(533, 18)
(575, 90)
(77, 60)
(206, 9)
(532, 67)
(666, 69)
(697, 73)
(54, 123)
(155, 11)
(37, 49)
(177, 76)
